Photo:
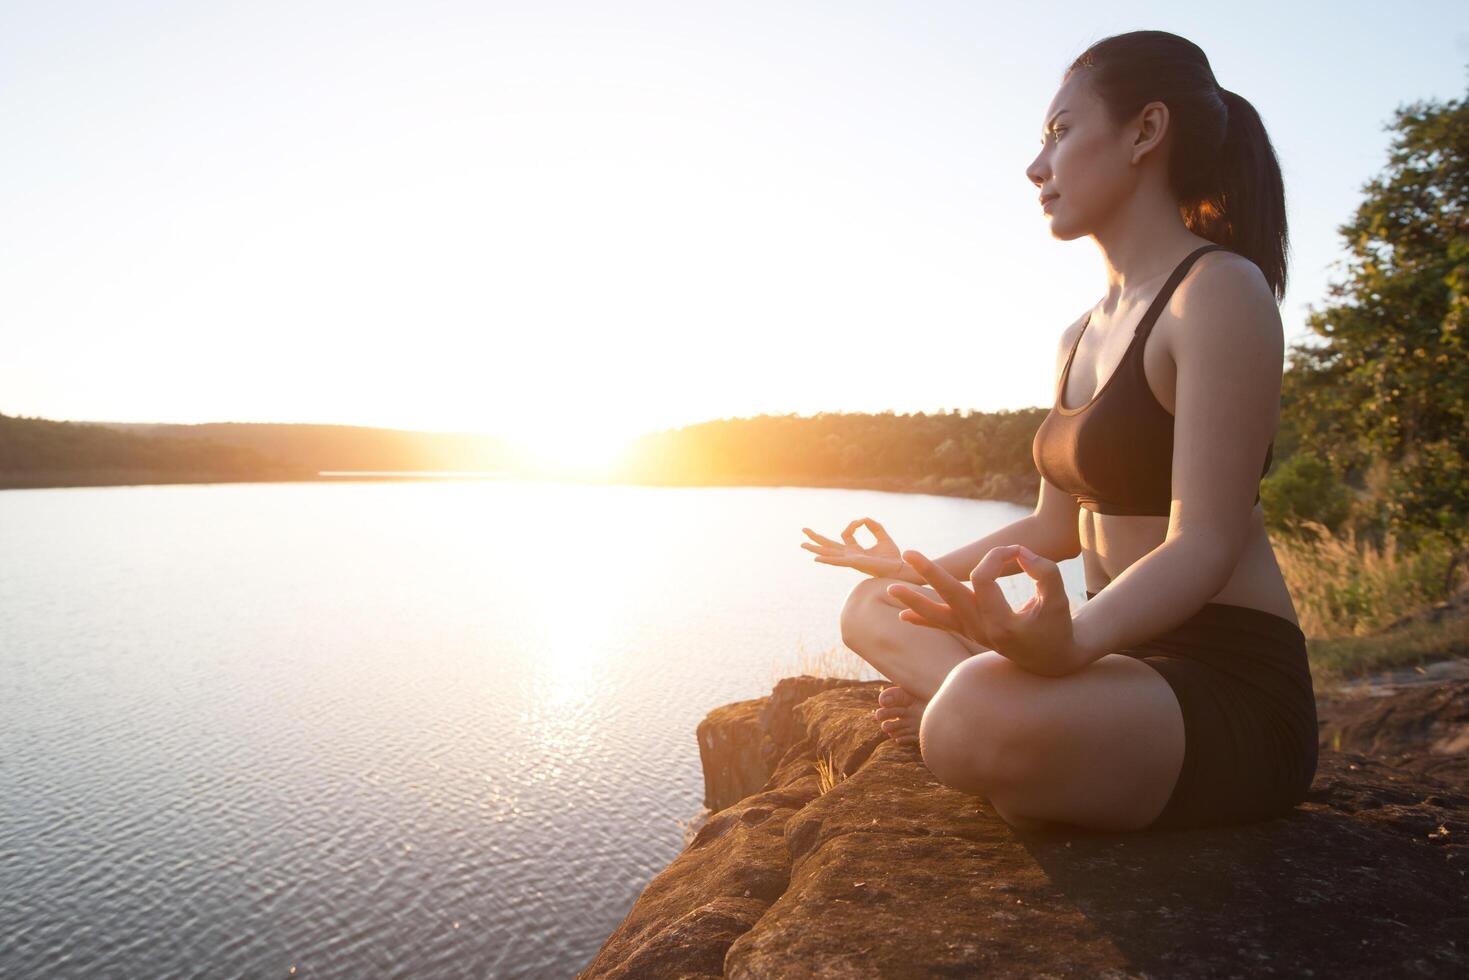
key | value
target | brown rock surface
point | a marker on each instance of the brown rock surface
(1420, 728)
(891, 874)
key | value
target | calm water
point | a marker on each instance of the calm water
(383, 729)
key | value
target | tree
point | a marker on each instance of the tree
(1388, 383)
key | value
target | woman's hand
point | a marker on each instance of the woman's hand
(883, 558)
(1037, 636)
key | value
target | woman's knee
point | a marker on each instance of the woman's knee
(867, 599)
(971, 737)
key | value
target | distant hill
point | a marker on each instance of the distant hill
(963, 454)
(36, 452)
(339, 447)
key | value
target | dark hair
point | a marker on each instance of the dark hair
(1222, 169)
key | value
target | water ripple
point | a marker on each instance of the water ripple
(357, 729)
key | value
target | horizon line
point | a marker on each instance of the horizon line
(498, 433)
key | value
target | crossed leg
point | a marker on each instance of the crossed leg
(917, 658)
(1101, 747)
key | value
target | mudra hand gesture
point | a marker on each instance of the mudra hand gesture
(1037, 636)
(883, 558)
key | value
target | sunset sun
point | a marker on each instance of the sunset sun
(569, 452)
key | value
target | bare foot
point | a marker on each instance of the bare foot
(899, 713)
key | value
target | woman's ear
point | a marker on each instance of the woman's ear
(1151, 125)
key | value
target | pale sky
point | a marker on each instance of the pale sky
(606, 217)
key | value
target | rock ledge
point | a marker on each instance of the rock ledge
(888, 873)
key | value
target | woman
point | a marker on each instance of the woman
(1178, 694)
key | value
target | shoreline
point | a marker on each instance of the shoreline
(964, 487)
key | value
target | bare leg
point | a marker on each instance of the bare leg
(917, 658)
(1101, 747)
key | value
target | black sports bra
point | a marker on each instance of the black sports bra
(1115, 453)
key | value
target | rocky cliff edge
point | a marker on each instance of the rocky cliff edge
(872, 868)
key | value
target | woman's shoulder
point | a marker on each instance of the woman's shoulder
(1068, 339)
(1223, 276)
(1224, 295)
(1070, 334)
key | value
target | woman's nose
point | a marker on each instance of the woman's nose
(1035, 173)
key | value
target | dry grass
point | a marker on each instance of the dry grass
(1365, 607)
(1419, 641)
(828, 774)
(833, 661)
(1343, 587)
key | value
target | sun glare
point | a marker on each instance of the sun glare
(578, 453)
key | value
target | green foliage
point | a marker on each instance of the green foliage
(1304, 488)
(1386, 386)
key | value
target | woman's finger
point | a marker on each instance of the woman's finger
(928, 609)
(909, 616)
(995, 561)
(1047, 574)
(943, 583)
(850, 534)
(834, 561)
(994, 609)
(821, 538)
(822, 549)
(877, 530)
(966, 617)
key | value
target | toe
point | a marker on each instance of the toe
(897, 727)
(895, 697)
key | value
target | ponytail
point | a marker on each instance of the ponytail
(1242, 203)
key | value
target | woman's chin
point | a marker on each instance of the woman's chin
(1063, 232)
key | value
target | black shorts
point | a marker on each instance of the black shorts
(1249, 714)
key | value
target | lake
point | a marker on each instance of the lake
(388, 729)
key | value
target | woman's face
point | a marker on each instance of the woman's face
(1084, 162)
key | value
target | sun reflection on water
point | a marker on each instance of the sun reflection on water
(583, 554)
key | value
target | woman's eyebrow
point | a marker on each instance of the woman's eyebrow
(1053, 119)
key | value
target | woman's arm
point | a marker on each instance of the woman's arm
(961, 561)
(1049, 531)
(1229, 351)
(1154, 594)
